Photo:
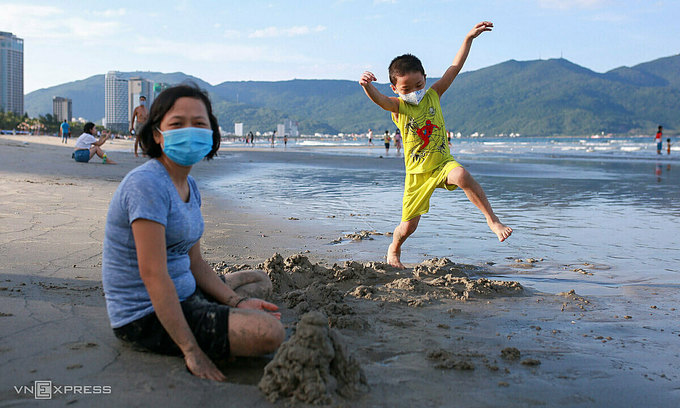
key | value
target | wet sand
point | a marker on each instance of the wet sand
(439, 333)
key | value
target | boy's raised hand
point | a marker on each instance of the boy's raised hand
(480, 28)
(367, 78)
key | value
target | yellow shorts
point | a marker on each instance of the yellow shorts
(418, 189)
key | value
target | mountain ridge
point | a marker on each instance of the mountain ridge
(537, 97)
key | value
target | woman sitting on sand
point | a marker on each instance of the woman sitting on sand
(160, 293)
(87, 145)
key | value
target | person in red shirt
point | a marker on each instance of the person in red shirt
(659, 141)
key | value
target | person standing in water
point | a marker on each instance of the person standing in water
(397, 141)
(658, 139)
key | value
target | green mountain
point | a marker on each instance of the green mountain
(543, 97)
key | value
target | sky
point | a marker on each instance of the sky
(240, 40)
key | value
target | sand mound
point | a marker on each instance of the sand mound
(438, 267)
(313, 366)
(466, 288)
(307, 286)
(446, 360)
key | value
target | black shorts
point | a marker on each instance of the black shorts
(387, 145)
(207, 319)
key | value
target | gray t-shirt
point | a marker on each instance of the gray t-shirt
(147, 192)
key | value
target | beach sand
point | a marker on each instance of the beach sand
(431, 335)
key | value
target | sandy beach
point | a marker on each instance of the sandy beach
(438, 334)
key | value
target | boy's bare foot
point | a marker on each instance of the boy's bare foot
(501, 230)
(393, 256)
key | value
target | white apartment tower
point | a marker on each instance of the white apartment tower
(11, 73)
(116, 102)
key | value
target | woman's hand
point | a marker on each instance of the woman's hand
(202, 367)
(259, 304)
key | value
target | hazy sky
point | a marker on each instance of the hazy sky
(335, 39)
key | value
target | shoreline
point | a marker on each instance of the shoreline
(52, 311)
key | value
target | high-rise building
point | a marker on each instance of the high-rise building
(137, 87)
(62, 108)
(238, 129)
(11, 73)
(116, 102)
(290, 128)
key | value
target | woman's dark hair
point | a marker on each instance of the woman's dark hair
(404, 64)
(88, 127)
(162, 104)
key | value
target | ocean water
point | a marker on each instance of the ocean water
(597, 214)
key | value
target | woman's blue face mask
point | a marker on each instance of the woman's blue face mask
(187, 146)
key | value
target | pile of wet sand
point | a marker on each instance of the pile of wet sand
(312, 366)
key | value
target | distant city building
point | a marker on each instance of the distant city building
(62, 108)
(137, 87)
(11, 73)
(116, 102)
(288, 128)
(238, 129)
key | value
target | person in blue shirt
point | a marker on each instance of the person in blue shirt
(65, 131)
(160, 292)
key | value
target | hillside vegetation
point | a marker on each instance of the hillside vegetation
(533, 98)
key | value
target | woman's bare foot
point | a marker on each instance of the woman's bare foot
(501, 230)
(393, 256)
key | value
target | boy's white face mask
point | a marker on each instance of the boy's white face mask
(414, 97)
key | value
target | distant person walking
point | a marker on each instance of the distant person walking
(668, 142)
(87, 145)
(65, 131)
(658, 139)
(140, 115)
(249, 137)
(370, 137)
(273, 138)
(285, 140)
(397, 141)
(387, 139)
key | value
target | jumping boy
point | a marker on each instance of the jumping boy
(429, 164)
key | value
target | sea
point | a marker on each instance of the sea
(595, 214)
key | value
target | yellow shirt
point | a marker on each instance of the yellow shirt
(424, 134)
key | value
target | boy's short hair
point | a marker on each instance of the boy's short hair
(403, 65)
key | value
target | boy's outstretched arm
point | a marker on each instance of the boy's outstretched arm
(445, 82)
(385, 102)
